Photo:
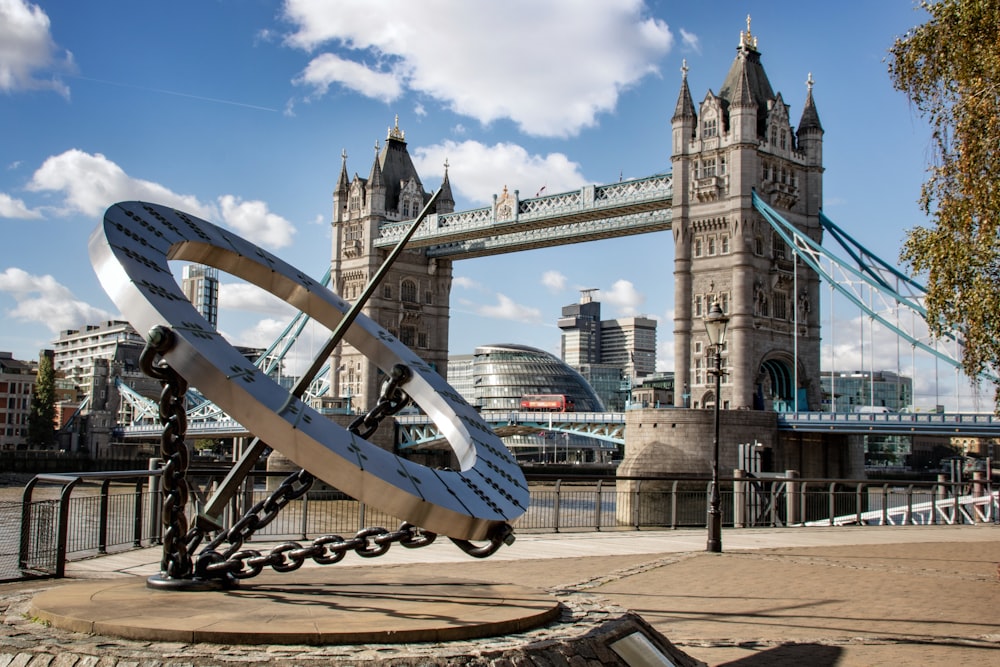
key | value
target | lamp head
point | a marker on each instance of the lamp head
(715, 324)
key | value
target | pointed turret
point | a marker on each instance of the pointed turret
(376, 185)
(445, 201)
(341, 189)
(342, 181)
(810, 117)
(685, 105)
(685, 121)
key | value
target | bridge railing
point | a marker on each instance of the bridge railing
(83, 515)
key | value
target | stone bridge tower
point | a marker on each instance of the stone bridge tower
(412, 300)
(736, 142)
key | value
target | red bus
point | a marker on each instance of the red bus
(547, 403)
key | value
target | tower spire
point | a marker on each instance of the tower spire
(810, 117)
(685, 105)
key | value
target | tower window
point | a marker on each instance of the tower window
(780, 305)
(697, 248)
(709, 128)
(711, 246)
(698, 305)
(387, 291)
(725, 245)
(407, 335)
(408, 291)
(777, 247)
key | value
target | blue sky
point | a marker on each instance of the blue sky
(238, 111)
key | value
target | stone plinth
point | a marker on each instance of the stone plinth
(372, 618)
(678, 442)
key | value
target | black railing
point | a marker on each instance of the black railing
(95, 513)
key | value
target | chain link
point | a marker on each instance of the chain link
(234, 562)
(325, 550)
(391, 400)
(238, 563)
(176, 562)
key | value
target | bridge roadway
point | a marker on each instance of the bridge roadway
(610, 426)
(593, 212)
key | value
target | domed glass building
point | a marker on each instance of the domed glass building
(496, 377)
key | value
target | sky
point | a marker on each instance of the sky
(239, 111)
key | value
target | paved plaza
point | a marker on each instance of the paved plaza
(919, 595)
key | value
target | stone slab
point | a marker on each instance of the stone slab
(367, 607)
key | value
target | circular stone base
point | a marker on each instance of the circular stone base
(290, 609)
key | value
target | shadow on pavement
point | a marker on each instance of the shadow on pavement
(787, 655)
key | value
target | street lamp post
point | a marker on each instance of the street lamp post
(715, 326)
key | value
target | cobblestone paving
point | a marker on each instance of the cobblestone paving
(579, 639)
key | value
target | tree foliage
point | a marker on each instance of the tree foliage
(949, 67)
(41, 418)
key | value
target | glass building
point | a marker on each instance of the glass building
(495, 377)
(863, 391)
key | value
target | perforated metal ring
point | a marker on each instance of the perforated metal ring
(130, 252)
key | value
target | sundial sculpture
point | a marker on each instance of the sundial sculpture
(130, 252)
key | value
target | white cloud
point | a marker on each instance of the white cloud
(15, 208)
(298, 359)
(27, 49)
(550, 67)
(665, 342)
(253, 221)
(507, 309)
(478, 171)
(690, 41)
(554, 281)
(247, 297)
(624, 297)
(465, 283)
(43, 300)
(90, 183)
(328, 69)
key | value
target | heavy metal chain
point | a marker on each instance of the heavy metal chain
(176, 562)
(234, 562)
(238, 563)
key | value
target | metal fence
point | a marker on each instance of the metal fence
(98, 513)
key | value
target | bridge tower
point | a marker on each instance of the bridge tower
(412, 301)
(736, 142)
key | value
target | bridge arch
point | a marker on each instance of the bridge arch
(774, 387)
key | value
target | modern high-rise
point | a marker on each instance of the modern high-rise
(610, 354)
(76, 350)
(200, 285)
(581, 331)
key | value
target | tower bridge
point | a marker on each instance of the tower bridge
(743, 202)
(725, 149)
